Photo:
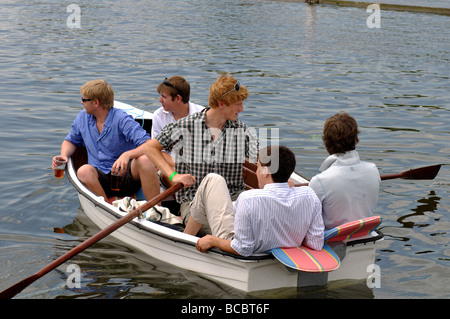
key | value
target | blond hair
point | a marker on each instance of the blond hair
(222, 90)
(99, 90)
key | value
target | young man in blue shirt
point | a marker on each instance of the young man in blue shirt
(114, 142)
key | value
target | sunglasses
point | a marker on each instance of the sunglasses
(85, 100)
(167, 83)
(236, 88)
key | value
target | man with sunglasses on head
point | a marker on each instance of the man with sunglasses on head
(211, 141)
(174, 98)
(114, 142)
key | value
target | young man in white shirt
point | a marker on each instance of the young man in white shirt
(276, 215)
(347, 187)
(174, 98)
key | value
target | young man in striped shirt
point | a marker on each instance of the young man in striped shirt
(276, 215)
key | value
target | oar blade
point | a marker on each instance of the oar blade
(427, 172)
(18, 287)
(305, 259)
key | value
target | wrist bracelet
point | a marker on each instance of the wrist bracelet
(171, 176)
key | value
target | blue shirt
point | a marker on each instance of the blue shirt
(120, 133)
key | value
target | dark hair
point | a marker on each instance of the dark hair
(176, 85)
(340, 133)
(280, 160)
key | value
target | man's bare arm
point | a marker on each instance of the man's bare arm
(209, 241)
(153, 151)
(67, 149)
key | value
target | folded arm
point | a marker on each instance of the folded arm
(153, 150)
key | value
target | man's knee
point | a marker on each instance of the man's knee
(144, 163)
(213, 178)
(86, 173)
(141, 167)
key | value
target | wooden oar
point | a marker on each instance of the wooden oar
(18, 287)
(427, 172)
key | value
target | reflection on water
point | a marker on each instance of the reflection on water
(429, 206)
(417, 247)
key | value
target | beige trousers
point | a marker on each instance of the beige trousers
(212, 206)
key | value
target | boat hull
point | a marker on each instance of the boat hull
(246, 275)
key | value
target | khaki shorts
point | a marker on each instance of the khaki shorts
(212, 206)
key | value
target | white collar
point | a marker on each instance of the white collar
(347, 158)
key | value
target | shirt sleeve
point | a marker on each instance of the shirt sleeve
(133, 132)
(316, 184)
(74, 135)
(314, 236)
(156, 123)
(170, 135)
(244, 241)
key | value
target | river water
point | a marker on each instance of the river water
(301, 64)
(421, 3)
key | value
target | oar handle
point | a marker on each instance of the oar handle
(18, 287)
(390, 176)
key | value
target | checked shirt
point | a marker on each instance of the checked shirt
(198, 153)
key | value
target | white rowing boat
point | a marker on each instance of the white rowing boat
(248, 274)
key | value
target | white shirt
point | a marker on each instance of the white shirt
(277, 216)
(161, 118)
(347, 187)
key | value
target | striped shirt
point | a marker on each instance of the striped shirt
(196, 152)
(277, 216)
